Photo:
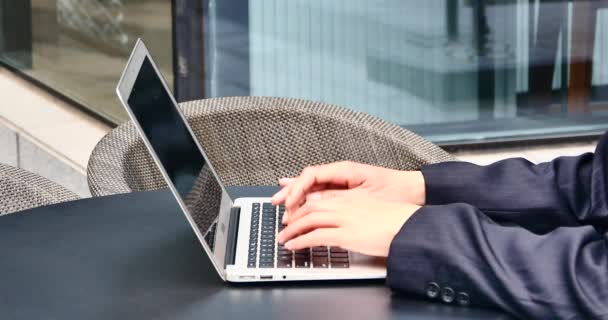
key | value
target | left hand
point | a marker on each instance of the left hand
(353, 222)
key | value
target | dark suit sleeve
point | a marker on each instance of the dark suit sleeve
(562, 274)
(568, 191)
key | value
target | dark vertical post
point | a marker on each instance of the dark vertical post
(486, 78)
(542, 53)
(16, 32)
(452, 19)
(188, 49)
(581, 54)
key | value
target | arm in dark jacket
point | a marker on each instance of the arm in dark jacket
(567, 191)
(552, 264)
(562, 274)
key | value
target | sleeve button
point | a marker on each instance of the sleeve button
(447, 295)
(432, 290)
(463, 299)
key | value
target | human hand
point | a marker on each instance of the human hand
(350, 221)
(333, 179)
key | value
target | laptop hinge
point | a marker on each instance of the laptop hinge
(233, 229)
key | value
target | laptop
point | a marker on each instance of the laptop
(237, 234)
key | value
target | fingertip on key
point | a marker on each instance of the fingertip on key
(278, 196)
(288, 245)
(284, 181)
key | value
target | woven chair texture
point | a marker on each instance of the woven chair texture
(21, 190)
(257, 140)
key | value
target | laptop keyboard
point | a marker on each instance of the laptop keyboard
(264, 252)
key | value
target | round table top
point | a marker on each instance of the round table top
(134, 256)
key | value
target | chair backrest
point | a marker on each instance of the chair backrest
(21, 190)
(256, 140)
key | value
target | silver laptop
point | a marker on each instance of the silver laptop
(238, 235)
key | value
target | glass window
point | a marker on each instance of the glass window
(80, 47)
(453, 71)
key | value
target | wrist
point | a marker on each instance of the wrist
(416, 189)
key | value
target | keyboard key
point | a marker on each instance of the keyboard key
(302, 256)
(339, 255)
(302, 263)
(253, 236)
(319, 249)
(320, 254)
(284, 263)
(337, 250)
(320, 262)
(339, 265)
(267, 248)
(339, 260)
(284, 253)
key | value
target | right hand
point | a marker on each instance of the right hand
(357, 223)
(333, 179)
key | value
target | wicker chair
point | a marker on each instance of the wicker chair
(21, 190)
(256, 140)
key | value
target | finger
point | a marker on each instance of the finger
(318, 237)
(285, 181)
(279, 197)
(325, 194)
(340, 173)
(315, 201)
(288, 213)
(312, 221)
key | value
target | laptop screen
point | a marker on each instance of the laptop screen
(176, 149)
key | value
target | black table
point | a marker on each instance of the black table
(134, 256)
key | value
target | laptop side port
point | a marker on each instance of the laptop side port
(265, 277)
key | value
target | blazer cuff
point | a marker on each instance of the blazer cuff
(409, 263)
(442, 181)
(423, 253)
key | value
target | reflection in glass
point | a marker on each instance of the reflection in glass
(451, 70)
(80, 47)
(175, 148)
